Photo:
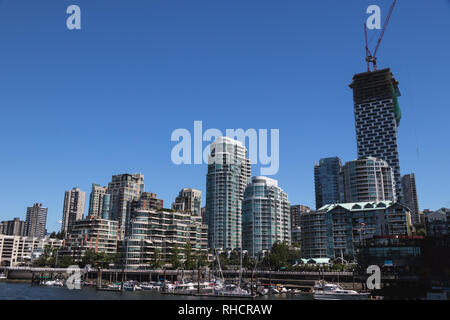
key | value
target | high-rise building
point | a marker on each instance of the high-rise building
(265, 216)
(124, 188)
(326, 181)
(228, 175)
(377, 117)
(73, 209)
(296, 213)
(36, 221)
(189, 200)
(409, 197)
(14, 227)
(96, 201)
(368, 179)
(336, 230)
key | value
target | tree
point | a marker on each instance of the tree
(48, 258)
(189, 262)
(421, 232)
(66, 261)
(201, 258)
(175, 258)
(278, 256)
(156, 260)
(98, 259)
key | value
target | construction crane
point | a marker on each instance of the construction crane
(372, 58)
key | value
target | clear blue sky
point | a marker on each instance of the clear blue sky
(79, 106)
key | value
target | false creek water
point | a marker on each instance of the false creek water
(24, 291)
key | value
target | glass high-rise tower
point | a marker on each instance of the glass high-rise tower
(228, 175)
(326, 181)
(265, 216)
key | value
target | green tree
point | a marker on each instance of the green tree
(156, 261)
(189, 262)
(201, 258)
(175, 257)
(278, 256)
(66, 261)
(98, 259)
(47, 258)
(421, 232)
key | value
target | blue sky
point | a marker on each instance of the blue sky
(79, 106)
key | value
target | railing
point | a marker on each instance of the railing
(261, 272)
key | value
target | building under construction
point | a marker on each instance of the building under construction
(377, 117)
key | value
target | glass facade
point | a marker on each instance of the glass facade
(265, 216)
(326, 181)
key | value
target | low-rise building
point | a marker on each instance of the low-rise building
(92, 233)
(18, 251)
(437, 222)
(336, 230)
(162, 230)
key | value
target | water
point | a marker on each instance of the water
(24, 291)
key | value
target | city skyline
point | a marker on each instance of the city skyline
(282, 95)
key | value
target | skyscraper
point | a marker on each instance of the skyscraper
(409, 197)
(96, 200)
(36, 221)
(367, 179)
(265, 216)
(124, 188)
(73, 209)
(326, 181)
(377, 117)
(189, 200)
(228, 175)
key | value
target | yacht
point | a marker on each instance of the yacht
(330, 291)
(131, 286)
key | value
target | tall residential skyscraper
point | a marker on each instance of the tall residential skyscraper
(377, 117)
(265, 216)
(96, 200)
(36, 221)
(73, 210)
(228, 174)
(409, 197)
(189, 200)
(368, 179)
(326, 181)
(124, 188)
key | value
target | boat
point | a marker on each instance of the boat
(150, 287)
(3, 276)
(131, 286)
(53, 283)
(233, 291)
(330, 291)
(114, 286)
